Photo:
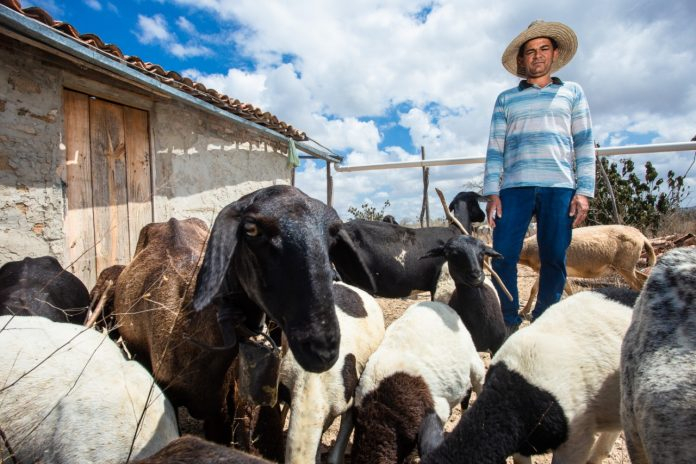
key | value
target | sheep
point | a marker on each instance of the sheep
(269, 254)
(425, 365)
(552, 385)
(317, 399)
(474, 297)
(154, 317)
(69, 396)
(41, 287)
(391, 251)
(658, 364)
(190, 449)
(593, 251)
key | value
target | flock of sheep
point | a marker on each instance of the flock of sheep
(276, 305)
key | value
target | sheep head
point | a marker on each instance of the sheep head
(465, 256)
(269, 253)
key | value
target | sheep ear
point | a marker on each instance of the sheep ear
(218, 254)
(344, 250)
(492, 253)
(434, 253)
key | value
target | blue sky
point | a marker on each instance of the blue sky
(375, 81)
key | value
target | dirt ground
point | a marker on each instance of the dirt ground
(393, 308)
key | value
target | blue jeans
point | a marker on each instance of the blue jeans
(551, 206)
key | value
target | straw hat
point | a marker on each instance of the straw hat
(564, 36)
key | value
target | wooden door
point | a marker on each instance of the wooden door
(109, 196)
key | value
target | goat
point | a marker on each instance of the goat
(317, 399)
(41, 287)
(474, 297)
(190, 449)
(425, 365)
(152, 310)
(658, 364)
(391, 251)
(593, 251)
(269, 254)
(551, 385)
(389, 219)
(70, 396)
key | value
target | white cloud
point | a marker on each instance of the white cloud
(93, 4)
(328, 67)
(154, 29)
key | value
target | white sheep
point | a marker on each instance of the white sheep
(318, 398)
(658, 364)
(69, 396)
(426, 365)
(552, 385)
(594, 251)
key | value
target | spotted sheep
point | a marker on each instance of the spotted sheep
(318, 398)
(551, 386)
(425, 366)
(658, 364)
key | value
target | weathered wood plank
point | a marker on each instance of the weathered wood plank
(109, 185)
(137, 172)
(79, 221)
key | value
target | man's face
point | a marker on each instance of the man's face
(537, 57)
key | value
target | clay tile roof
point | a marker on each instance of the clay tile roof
(171, 78)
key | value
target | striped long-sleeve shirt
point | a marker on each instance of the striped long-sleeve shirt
(541, 137)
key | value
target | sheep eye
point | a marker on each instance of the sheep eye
(251, 230)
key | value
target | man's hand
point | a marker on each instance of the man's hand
(494, 208)
(579, 206)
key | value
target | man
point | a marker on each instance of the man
(540, 161)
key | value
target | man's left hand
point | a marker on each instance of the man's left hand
(579, 206)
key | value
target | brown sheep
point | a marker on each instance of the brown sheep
(594, 251)
(193, 450)
(154, 316)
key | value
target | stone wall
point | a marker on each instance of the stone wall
(201, 162)
(31, 193)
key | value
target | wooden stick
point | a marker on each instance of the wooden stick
(456, 222)
(100, 307)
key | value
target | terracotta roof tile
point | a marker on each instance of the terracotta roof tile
(171, 78)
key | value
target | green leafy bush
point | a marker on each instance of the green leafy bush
(643, 200)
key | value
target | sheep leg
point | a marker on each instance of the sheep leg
(575, 450)
(338, 450)
(526, 311)
(635, 278)
(603, 446)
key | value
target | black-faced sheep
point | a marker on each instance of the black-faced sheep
(594, 251)
(391, 251)
(474, 297)
(152, 309)
(41, 287)
(190, 449)
(69, 396)
(269, 254)
(552, 385)
(317, 399)
(426, 365)
(658, 364)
